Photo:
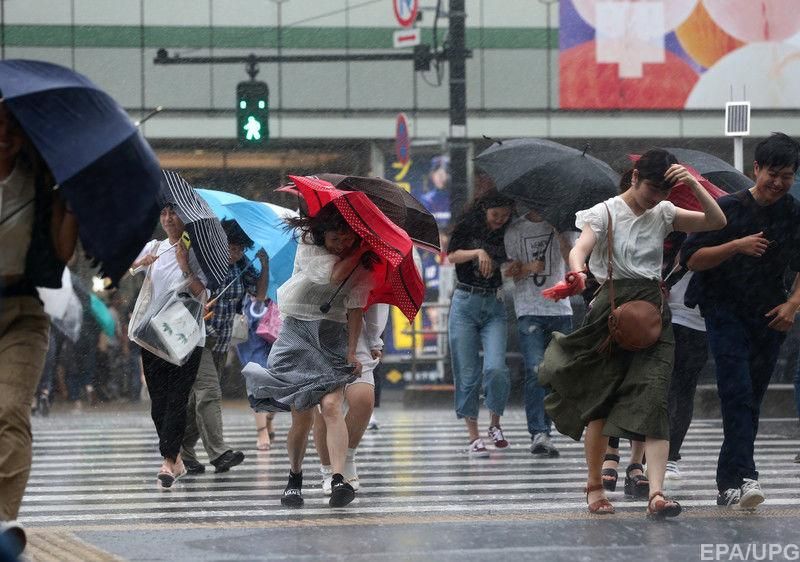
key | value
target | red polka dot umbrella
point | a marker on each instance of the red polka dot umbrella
(398, 281)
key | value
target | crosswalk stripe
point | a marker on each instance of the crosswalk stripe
(413, 466)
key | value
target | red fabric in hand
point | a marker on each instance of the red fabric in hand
(574, 283)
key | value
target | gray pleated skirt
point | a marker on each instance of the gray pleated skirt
(307, 361)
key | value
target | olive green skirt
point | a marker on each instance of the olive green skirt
(628, 389)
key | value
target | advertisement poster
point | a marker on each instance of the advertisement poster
(427, 177)
(678, 54)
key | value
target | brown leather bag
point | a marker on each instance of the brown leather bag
(635, 325)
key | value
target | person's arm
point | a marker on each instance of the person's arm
(263, 277)
(196, 286)
(712, 217)
(64, 230)
(564, 245)
(582, 249)
(355, 321)
(711, 256)
(784, 314)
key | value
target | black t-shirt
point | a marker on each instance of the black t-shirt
(471, 233)
(747, 284)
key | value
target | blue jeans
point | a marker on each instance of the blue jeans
(535, 333)
(745, 352)
(478, 320)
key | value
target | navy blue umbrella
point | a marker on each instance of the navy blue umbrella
(107, 172)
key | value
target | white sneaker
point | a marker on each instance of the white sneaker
(350, 473)
(477, 449)
(373, 423)
(672, 472)
(327, 475)
(752, 495)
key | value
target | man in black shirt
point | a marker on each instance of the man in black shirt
(740, 290)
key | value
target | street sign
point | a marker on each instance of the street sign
(402, 139)
(407, 38)
(405, 11)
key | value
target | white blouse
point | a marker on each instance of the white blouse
(310, 286)
(638, 241)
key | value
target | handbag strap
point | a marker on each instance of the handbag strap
(610, 279)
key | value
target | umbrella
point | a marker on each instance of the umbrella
(108, 173)
(555, 180)
(682, 195)
(264, 224)
(399, 205)
(207, 239)
(402, 285)
(714, 169)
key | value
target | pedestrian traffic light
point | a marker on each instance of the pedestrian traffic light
(252, 113)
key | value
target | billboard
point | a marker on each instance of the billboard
(678, 54)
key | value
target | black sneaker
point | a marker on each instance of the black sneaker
(193, 467)
(342, 493)
(729, 498)
(13, 536)
(227, 460)
(293, 493)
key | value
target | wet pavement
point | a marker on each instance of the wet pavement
(93, 496)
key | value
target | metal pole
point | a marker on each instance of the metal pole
(457, 56)
(738, 153)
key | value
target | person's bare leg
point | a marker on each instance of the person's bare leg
(594, 448)
(472, 428)
(657, 451)
(361, 402)
(297, 438)
(336, 436)
(320, 438)
(263, 441)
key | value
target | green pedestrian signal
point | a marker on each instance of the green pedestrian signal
(252, 113)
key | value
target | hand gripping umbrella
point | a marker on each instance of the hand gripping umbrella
(207, 239)
(107, 172)
(554, 179)
(400, 283)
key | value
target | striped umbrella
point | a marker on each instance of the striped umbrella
(206, 237)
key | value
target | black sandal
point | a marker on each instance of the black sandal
(610, 475)
(636, 486)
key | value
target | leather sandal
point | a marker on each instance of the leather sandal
(637, 486)
(662, 508)
(610, 475)
(601, 506)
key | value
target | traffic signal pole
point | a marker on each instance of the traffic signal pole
(457, 55)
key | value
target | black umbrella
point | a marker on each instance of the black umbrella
(714, 169)
(207, 239)
(555, 180)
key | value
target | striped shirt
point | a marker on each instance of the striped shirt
(229, 304)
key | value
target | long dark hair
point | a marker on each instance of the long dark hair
(652, 165)
(313, 229)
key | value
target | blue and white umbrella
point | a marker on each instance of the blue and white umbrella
(264, 224)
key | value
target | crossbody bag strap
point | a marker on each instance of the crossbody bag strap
(610, 280)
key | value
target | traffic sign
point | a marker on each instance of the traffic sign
(406, 11)
(407, 38)
(402, 139)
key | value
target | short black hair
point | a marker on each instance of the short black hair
(653, 165)
(235, 234)
(778, 151)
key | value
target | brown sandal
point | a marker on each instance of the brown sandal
(601, 506)
(664, 507)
